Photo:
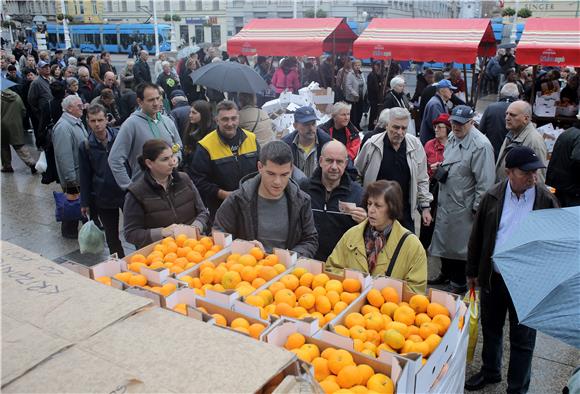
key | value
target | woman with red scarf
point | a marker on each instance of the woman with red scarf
(341, 128)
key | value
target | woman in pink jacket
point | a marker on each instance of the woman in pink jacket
(286, 77)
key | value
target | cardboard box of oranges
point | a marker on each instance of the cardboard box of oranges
(304, 291)
(179, 252)
(241, 269)
(336, 367)
(388, 317)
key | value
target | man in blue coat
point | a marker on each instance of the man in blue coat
(435, 107)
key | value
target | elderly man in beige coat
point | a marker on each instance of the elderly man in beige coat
(255, 119)
(518, 120)
(398, 156)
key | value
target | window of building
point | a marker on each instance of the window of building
(238, 4)
(215, 5)
(216, 34)
(199, 36)
(198, 6)
(286, 15)
(137, 5)
(94, 6)
(167, 5)
(182, 5)
(238, 21)
(260, 15)
(124, 6)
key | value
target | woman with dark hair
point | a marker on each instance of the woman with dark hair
(201, 123)
(380, 245)
(161, 198)
(55, 73)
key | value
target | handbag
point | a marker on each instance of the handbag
(473, 324)
(66, 210)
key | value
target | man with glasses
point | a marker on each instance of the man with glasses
(521, 131)
(396, 155)
(466, 173)
(224, 157)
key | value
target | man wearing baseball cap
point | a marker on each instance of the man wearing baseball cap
(500, 212)
(436, 106)
(39, 94)
(466, 173)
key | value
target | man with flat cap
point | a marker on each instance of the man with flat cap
(500, 213)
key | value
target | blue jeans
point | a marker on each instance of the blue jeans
(495, 302)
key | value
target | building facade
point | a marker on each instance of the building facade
(547, 8)
(82, 11)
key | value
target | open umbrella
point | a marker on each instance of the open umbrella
(5, 83)
(540, 265)
(185, 52)
(229, 77)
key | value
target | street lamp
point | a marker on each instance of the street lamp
(9, 20)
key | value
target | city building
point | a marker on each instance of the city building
(240, 12)
(547, 8)
(25, 10)
(82, 11)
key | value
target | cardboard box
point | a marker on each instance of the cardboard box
(391, 365)
(46, 308)
(313, 266)
(422, 377)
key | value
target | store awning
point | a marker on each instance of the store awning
(292, 37)
(550, 42)
(422, 39)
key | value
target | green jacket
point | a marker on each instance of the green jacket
(411, 265)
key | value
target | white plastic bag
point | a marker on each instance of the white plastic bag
(41, 164)
(91, 238)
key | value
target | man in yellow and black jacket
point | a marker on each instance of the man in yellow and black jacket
(224, 156)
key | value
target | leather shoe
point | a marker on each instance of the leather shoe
(479, 381)
(439, 280)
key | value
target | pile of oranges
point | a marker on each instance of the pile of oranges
(138, 280)
(386, 323)
(243, 273)
(302, 294)
(336, 371)
(177, 254)
(238, 324)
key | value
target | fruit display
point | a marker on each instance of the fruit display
(139, 280)
(176, 254)
(244, 273)
(302, 294)
(338, 370)
(385, 322)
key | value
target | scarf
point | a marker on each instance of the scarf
(375, 242)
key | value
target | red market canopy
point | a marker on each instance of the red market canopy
(422, 39)
(292, 37)
(550, 42)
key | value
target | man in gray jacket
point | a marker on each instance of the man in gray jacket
(270, 207)
(518, 120)
(68, 133)
(143, 125)
(464, 176)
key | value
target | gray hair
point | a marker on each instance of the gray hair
(398, 113)
(383, 120)
(69, 101)
(71, 80)
(72, 61)
(83, 68)
(339, 106)
(510, 89)
(165, 63)
(396, 81)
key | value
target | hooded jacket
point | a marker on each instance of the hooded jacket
(238, 215)
(128, 145)
(13, 110)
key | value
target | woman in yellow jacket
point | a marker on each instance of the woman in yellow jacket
(371, 246)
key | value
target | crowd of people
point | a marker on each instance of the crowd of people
(148, 142)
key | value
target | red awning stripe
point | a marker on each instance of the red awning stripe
(550, 42)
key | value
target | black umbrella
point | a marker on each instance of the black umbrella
(229, 77)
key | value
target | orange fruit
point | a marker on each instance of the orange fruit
(138, 258)
(271, 259)
(375, 298)
(443, 321)
(334, 285)
(138, 280)
(320, 280)
(374, 321)
(307, 301)
(248, 259)
(243, 329)
(306, 279)
(359, 389)
(236, 267)
(248, 273)
(374, 337)
(123, 276)
(338, 360)
(347, 297)
(267, 273)
(365, 372)
(427, 329)
(136, 267)
(407, 347)
(300, 291)
(194, 257)
(104, 280)
(267, 296)
(329, 386)
(326, 353)
(354, 319)
(299, 271)
(321, 370)
(240, 322)
(256, 329)
(180, 239)
(419, 303)
(295, 341)
(319, 291)
(206, 264)
(300, 312)
(290, 281)
(255, 300)
(339, 307)
(401, 327)
(220, 320)
(323, 304)
(433, 341)
(342, 330)
(348, 376)
(333, 297)
(351, 285)
(171, 247)
(358, 332)
(389, 308)
(258, 282)
(286, 296)
(420, 347)
(312, 349)
(167, 289)
(181, 308)
(257, 253)
(206, 241)
(390, 295)
(231, 279)
(394, 338)
(283, 309)
(368, 309)
(415, 338)
(160, 248)
(279, 268)
(233, 257)
(436, 309)
(421, 318)
(380, 383)
(386, 348)
(404, 314)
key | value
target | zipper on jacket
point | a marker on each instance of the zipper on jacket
(171, 204)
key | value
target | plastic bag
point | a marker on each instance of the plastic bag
(91, 238)
(473, 324)
(41, 164)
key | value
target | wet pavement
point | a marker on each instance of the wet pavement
(27, 216)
